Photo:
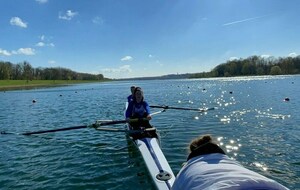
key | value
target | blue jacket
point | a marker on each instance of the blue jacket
(138, 110)
(129, 98)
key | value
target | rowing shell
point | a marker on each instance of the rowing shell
(156, 163)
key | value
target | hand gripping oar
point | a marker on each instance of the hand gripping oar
(180, 108)
(104, 122)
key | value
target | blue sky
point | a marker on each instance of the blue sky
(135, 38)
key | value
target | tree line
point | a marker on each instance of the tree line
(24, 71)
(254, 65)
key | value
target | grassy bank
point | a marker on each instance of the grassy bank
(24, 84)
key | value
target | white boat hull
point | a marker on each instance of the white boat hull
(156, 162)
(157, 165)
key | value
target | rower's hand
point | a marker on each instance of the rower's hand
(149, 117)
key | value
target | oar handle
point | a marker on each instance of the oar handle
(125, 130)
(103, 123)
(158, 112)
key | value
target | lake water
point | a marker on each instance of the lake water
(252, 123)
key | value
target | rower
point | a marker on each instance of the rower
(130, 97)
(138, 108)
(208, 167)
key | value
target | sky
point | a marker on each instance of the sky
(136, 38)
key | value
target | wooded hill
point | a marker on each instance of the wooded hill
(253, 66)
(24, 71)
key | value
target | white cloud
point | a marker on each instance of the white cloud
(233, 58)
(25, 51)
(265, 56)
(150, 56)
(18, 22)
(40, 44)
(21, 51)
(42, 37)
(41, 1)
(121, 69)
(244, 20)
(43, 44)
(68, 15)
(4, 52)
(51, 62)
(127, 58)
(293, 54)
(125, 68)
(98, 20)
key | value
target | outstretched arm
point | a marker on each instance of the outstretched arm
(147, 108)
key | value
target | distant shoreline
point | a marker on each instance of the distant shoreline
(8, 85)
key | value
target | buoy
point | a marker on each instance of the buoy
(230, 92)
(60, 95)
(33, 101)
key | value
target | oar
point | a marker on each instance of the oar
(95, 125)
(158, 112)
(79, 127)
(54, 130)
(124, 130)
(180, 108)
